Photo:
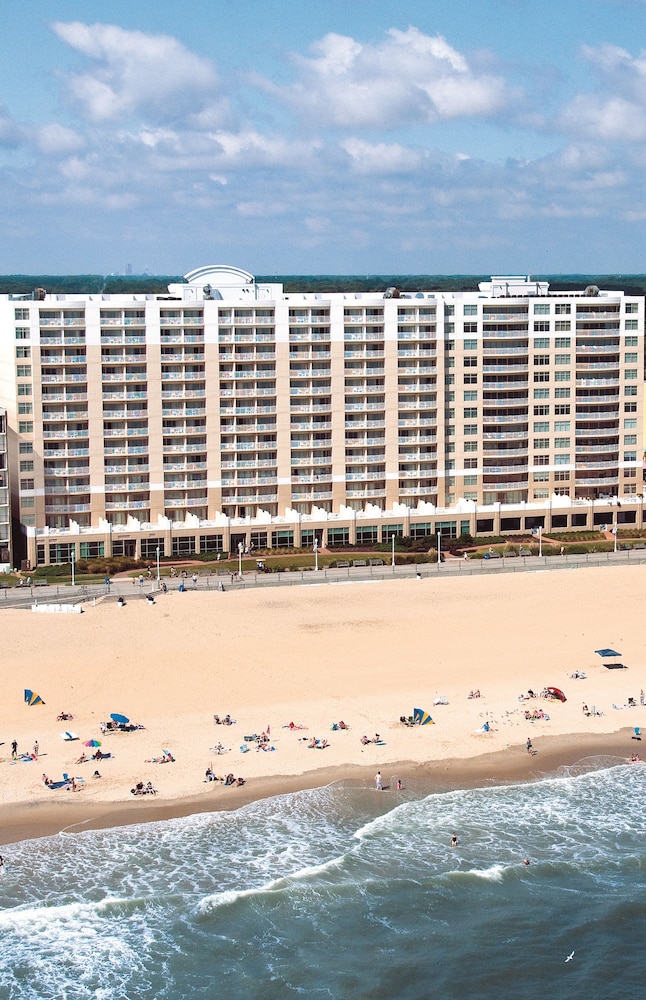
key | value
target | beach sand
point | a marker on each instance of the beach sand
(366, 653)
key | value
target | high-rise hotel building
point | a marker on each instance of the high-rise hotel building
(231, 411)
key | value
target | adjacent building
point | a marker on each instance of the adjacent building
(231, 412)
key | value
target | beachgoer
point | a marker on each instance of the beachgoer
(641, 697)
(35, 749)
(96, 774)
(526, 861)
(528, 746)
(399, 784)
(454, 840)
(378, 782)
(14, 749)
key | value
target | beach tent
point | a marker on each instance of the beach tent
(32, 698)
(557, 693)
(422, 718)
(610, 658)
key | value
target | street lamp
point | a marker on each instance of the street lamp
(240, 551)
(316, 554)
(158, 580)
(73, 554)
(392, 542)
(439, 549)
(614, 529)
(540, 541)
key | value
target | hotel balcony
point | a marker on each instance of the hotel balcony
(505, 435)
(606, 481)
(64, 435)
(511, 386)
(68, 508)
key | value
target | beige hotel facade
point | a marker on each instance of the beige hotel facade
(230, 411)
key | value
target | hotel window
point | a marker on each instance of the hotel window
(25, 427)
(470, 446)
(541, 410)
(450, 362)
(632, 307)
(541, 376)
(561, 342)
(561, 326)
(24, 389)
(470, 379)
(450, 430)
(540, 444)
(541, 359)
(470, 480)
(541, 393)
(470, 345)
(542, 327)
(27, 465)
(470, 362)
(631, 373)
(449, 380)
(471, 495)
(541, 344)
(541, 427)
(562, 475)
(22, 351)
(23, 314)
(561, 442)
(630, 407)
(561, 425)
(26, 484)
(22, 333)
(630, 439)
(561, 376)
(471, 463)
(561, 460)
(450, 413)
(449, 447)
(541, 494)
(561, 359)
(470, 396)
(470, 429)
(630, 456)
(541, 459)
(562, 309)
(541, 309)
(471, 328)
(449, 328)
(470, 412)
(631, 324)
(629, 359)
(630, 342)
(561, 409)
(449, 345)
(541, 477)
(24, 408)
(562, 393)
(470, 310)
(630, 390)
(630, 423)
(26, 448)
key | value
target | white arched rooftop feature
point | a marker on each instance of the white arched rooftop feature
(219, 276)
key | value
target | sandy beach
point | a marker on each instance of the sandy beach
(363, 653)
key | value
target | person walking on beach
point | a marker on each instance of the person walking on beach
(35, 749)
(378, 782)
(14, 749)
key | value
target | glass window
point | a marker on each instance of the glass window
(24, 389)
(22, 333)
(22, 351)
(27, 426)
(541, 427)
(562, 393)
(630, 342)
(470, 310)
(630, 456)
(542, 410)
(27, 465)
(541, 344)
(541, 376)
(541, 393)
(630, 390)
(561, 460)
(470, 395)
(542, 327)
(630, 358)
(562, 308)
(561, 325)
(470, 480)
(562, 376)
(23, 314)
(24, 371)
(631, 373)
(470, 463)
(629, 423)
(541, 359)
(540, 444)
(561, 442)
(26, 448)
(630, 439)
(470, 378)
(470, 362)
(470, 412)
(561, 342)
(631, 324)
(471, 345)
(26, 484)
(24, 408)
(561, 409)
(470, 429)
(471, 328)
(632, 307)
(541, 309)
(561, 425)
(561, 359)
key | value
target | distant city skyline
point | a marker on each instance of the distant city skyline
(345, 137)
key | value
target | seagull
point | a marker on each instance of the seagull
(570, 957)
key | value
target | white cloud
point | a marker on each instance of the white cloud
(616, 111)
(57, 139)
(381, 158)
(135, 73)
(406, 78)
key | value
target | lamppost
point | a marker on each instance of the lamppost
(614, 529)
(240, 551)
(439, 549)
(540, 541)
(158, 580)
(73, 557)
(392, 543)
(316, 554)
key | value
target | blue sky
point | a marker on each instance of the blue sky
(324, 136)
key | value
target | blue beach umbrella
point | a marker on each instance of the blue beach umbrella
(121, 719)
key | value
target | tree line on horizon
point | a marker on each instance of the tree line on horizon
(97, 284)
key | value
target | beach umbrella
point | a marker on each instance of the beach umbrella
(32, 698)
(557, 693)
(605, 653)
(123, 720)
(92, 743)
(422, 718)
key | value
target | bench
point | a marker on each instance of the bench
(376, 562)
(343, 565)
(358, 562)
(39, 582)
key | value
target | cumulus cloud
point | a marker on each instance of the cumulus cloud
(406, 78)
(136, 73)
(381, 157)
(11, 133)
(56, 139)
(616, 111)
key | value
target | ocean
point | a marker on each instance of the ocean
(344, 892)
